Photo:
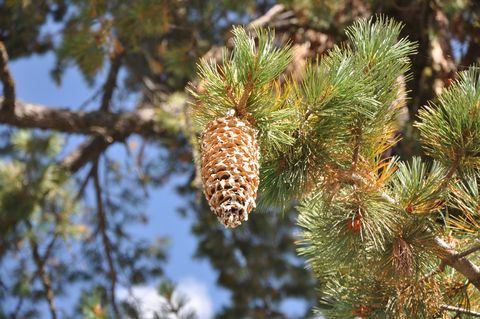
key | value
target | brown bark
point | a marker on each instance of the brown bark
(455, 260)
(106, 124)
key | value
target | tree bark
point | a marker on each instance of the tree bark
(106, 124)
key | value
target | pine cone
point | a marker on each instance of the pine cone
(230, 169)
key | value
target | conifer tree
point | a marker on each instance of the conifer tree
(57, 209)
(385, 238)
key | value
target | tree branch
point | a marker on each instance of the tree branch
(45, 278)
(267, 18)
(469, 251)
(106, 124)
(8, 103)
(461, 310)
(445, 252)
(102, 227)
(18, 307)
(111, 82)
(87, 152)
(91, 150)
(455, 260)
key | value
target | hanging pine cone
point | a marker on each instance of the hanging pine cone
(230, 168)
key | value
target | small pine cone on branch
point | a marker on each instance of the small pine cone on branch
(230, 168)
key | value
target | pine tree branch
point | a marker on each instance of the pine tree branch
(106, 124)
(461, 310)
(18, 307)
(107, 246)
(111, 127)
(8, 103)
(241, 106)
(83, 184)
(445, 252)
(469, 251)
(357, 140)
(267, 18)
(88, 151)
(111, 82)
(452, 258)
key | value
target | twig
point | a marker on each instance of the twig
(8, 103)
(241, 107)
(468, 251)
(83, 185)
(267, 18)
(357, 140)
(50, 246)
(461, 310)
(91, 99)
(18, 307)
(102, 227)
(111, 82)
(45, 278)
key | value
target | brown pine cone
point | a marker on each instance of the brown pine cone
(230, 168)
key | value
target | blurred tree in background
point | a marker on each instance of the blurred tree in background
(63, 215)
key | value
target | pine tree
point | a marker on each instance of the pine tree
(385, 238)
(150, 49)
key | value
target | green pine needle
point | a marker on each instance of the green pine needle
(450, 128)
(417, 186)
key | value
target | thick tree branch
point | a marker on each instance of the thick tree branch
(107, 246)
(105, 124)
(106, 127)
(8, 84)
